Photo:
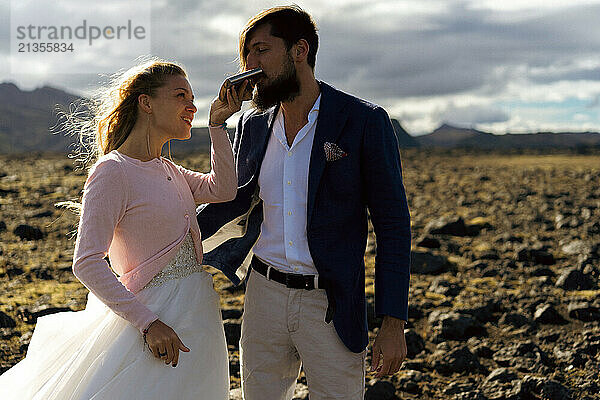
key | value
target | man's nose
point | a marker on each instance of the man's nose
(251, 62)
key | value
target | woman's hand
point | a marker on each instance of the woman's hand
(164, 342)
(228, 102)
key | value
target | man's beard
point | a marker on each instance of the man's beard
(285, 87)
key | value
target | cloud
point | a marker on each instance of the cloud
(424, 60)
(472, 115)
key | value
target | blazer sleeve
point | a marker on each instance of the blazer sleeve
(103, 205)
(386, 200)
(220, 184)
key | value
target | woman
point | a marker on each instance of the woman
(139, 208)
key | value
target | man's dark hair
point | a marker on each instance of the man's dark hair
(290, 23)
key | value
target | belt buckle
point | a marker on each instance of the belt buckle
(296, 281)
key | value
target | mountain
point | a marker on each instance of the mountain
(200, 141)
(447, 136)
(404, 139)
(27, 116)
(450, 136)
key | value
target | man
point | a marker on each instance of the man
(310, 160)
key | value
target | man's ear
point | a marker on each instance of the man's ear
(300, 50)
(144, 103)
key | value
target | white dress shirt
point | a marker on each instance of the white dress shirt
(283, 182)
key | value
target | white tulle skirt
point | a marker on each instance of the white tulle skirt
(94, 354)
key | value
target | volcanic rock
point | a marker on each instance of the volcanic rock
(478, 265)
(548, 336)
(6, 321)
(453, 326)
(231, 313)
(489, 254)
(380, 390)
(568, 356)
(409, 380)
(502, 375)
(429, 242)
(514, 319)
(233, 289)
(427, 263)
(503, 384)
(454, 226)
(547, 314)
(414, 343)
(483, 311)
(574, 279)
(459, 387)
(489, 272)
(542, 271)
(41, 273)
(414, 311)
(584, 311)
(233, 332)
(480, 347)
(457, 360)
(28, 232)
(553, 390)
(525, 356)
(535, 256)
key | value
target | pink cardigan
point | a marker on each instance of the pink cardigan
(139, 212)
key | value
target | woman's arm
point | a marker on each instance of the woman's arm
(220, 184)
(104, 203)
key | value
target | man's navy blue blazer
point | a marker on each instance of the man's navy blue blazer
(339, 194)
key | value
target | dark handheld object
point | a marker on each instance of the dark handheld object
(239, 78)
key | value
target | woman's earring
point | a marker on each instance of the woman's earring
(148, 136)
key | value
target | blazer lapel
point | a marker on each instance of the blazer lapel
(261, 140)
(329, 127)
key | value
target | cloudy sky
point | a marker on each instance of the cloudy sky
(517, 66)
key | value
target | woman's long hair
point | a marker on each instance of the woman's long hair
(104, 122)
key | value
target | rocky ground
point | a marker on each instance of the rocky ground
(505, 295)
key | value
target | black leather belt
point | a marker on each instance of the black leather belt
(297, 281)
(292, 281)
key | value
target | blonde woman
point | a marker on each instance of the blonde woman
(161, 311)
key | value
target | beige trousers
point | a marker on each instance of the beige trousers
(284, 328)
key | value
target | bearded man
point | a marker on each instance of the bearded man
(311, 160)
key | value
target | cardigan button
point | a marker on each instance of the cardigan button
(168, 178)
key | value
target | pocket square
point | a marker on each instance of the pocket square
(333, 152)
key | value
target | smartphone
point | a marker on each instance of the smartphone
(239, 78)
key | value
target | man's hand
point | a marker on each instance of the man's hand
(390, 344)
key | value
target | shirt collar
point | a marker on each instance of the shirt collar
(312, 114)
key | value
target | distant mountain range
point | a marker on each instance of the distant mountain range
(451, 137)
(27, 116)
(25, 119)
